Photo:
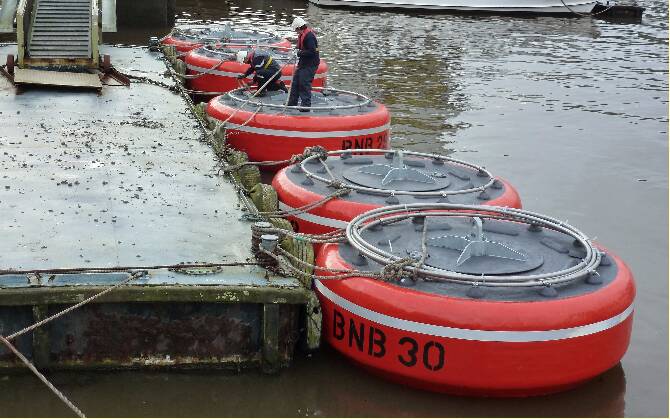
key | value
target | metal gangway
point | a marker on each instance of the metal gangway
(60, 37)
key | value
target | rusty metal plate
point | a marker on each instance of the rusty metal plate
(57, 78)
(155, 334)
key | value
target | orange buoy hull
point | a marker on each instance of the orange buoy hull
(279, 136)
(221, 77)
(475, 347)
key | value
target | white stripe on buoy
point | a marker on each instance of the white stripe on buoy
(472, 334)
(315, 219)
(311, 134)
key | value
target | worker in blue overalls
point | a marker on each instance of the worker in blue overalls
(308, 62)
(265, 68)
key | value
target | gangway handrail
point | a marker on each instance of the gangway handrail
(95, 33)
(22, 26)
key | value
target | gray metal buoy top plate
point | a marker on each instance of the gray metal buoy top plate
(387, 177)
(225, 33)
(325, 102)
(507, 254)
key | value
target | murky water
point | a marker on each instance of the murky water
(578, 105)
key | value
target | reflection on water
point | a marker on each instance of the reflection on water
(575, 105)
(324, 385)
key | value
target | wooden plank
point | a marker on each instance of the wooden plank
(270, 363)
(57, 78)
(40, 337)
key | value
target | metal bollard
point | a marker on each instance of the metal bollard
(268, 243)
(153, 44)
(257, 230)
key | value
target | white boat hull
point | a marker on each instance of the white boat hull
(504, 6)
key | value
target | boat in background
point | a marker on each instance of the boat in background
(497, 6)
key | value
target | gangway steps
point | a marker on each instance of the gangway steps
(61, 29)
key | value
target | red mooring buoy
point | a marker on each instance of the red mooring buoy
(380, 178)
(494, 301)
(218, 68)
(267, 130)
(187, 38)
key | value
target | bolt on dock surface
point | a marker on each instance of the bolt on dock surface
(121, 179)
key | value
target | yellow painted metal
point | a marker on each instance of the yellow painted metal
(95, 34)
(21, 30)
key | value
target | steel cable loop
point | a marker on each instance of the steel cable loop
(391, 272)
(339, 273)
(330, 237)
(296, 158)
(121, 268)
(365, 100)
(307, 207)
(396, 213)
(353, 186)
(42, 378)
(496, 280)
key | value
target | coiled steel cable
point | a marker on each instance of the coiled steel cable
(397, 213)
(358, 187)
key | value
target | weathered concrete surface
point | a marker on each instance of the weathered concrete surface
(113, 179)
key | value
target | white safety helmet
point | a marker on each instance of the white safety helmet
(241, 56)
(298, 22)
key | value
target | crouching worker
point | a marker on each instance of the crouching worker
(308, 62)
(265, 69)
